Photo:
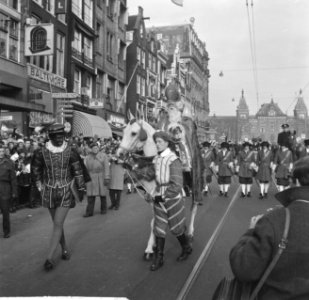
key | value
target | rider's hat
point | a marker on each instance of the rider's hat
(283, 126)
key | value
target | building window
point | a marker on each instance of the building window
(271, 113)
(39, 2)
(77, 42)
(138, 53)
(77, 81)
(88, 12)
(60, 46)
(50, 6)
(9, 38)
(88, 48)
(301, 116)
(89, 85)
(138, 87)
(99, 86)
(143, 58)
(11, 3)
(77, 8)
(143, 86)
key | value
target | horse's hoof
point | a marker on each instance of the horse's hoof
(148, 256)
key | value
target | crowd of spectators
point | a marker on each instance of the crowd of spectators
(20, 150)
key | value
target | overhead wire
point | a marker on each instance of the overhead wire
(253, 48)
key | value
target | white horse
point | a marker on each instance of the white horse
(137, 136)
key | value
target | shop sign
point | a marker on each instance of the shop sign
(6, 118)
(37, 118)
(42, 75)
(65, 95)
(60, 7)
(116, 120)
(39, 39)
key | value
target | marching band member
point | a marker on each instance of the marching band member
(225, 167)
(264, 161)
(246, 161)
(283, 164)
(208, 160)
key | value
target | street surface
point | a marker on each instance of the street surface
(107, 251)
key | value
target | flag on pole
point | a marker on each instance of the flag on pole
(178, 2)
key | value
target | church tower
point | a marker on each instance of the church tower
(301, 117)
(242, 116)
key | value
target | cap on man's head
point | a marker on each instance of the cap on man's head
(284, 126)
(56, 129)
(246, 144)
(206, 144)
(163, 135)
(225, 145)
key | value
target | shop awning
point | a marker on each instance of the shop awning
(90, 125)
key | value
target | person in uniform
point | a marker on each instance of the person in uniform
(209, 163)
(304, 150)
(8, 189)
(169, 209)
(225, 168)
(246, 163)
(282, 166)
(264, 160)
(284, 136)
(97, 164)
(57, 170)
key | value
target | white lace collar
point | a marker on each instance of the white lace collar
(54, 149)
(166, 152)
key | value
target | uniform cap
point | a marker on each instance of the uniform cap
(206, 144)
(225, 145)
(265, 144)
(283, 126)
(56, 128)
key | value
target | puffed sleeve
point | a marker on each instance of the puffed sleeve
(77, 170)
(252, 254)
(37, 167)
(176, 180)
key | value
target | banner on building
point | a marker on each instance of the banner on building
(39, 39)
(60, 7)
(178, 2)
(39, 118)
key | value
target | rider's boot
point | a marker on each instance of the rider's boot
(186, 248)
(158, 255)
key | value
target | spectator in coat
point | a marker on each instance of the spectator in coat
(8, 189)
(116, 182)
(252, 254)
(97, 165)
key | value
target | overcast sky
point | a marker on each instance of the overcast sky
(281, 31)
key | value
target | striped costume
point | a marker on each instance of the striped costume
(171, 212)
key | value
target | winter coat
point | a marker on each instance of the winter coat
(264, 160)
(251, 255)
(98, 168)
(245, 159)
(117, 176)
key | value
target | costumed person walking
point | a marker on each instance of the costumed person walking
(246, 162)
(116, 182)
(225, 168)
(264, 161)
(8, 189)
(57, 170)
(282, 166)
(97, 164)
(169, 209)
(209, 163)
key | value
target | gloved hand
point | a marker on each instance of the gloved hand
(158, 199)
(106, 182)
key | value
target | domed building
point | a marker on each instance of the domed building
(265, 125)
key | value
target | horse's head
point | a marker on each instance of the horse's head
(137, 135)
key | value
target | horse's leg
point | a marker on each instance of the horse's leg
(151, 243)
(191, 225)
